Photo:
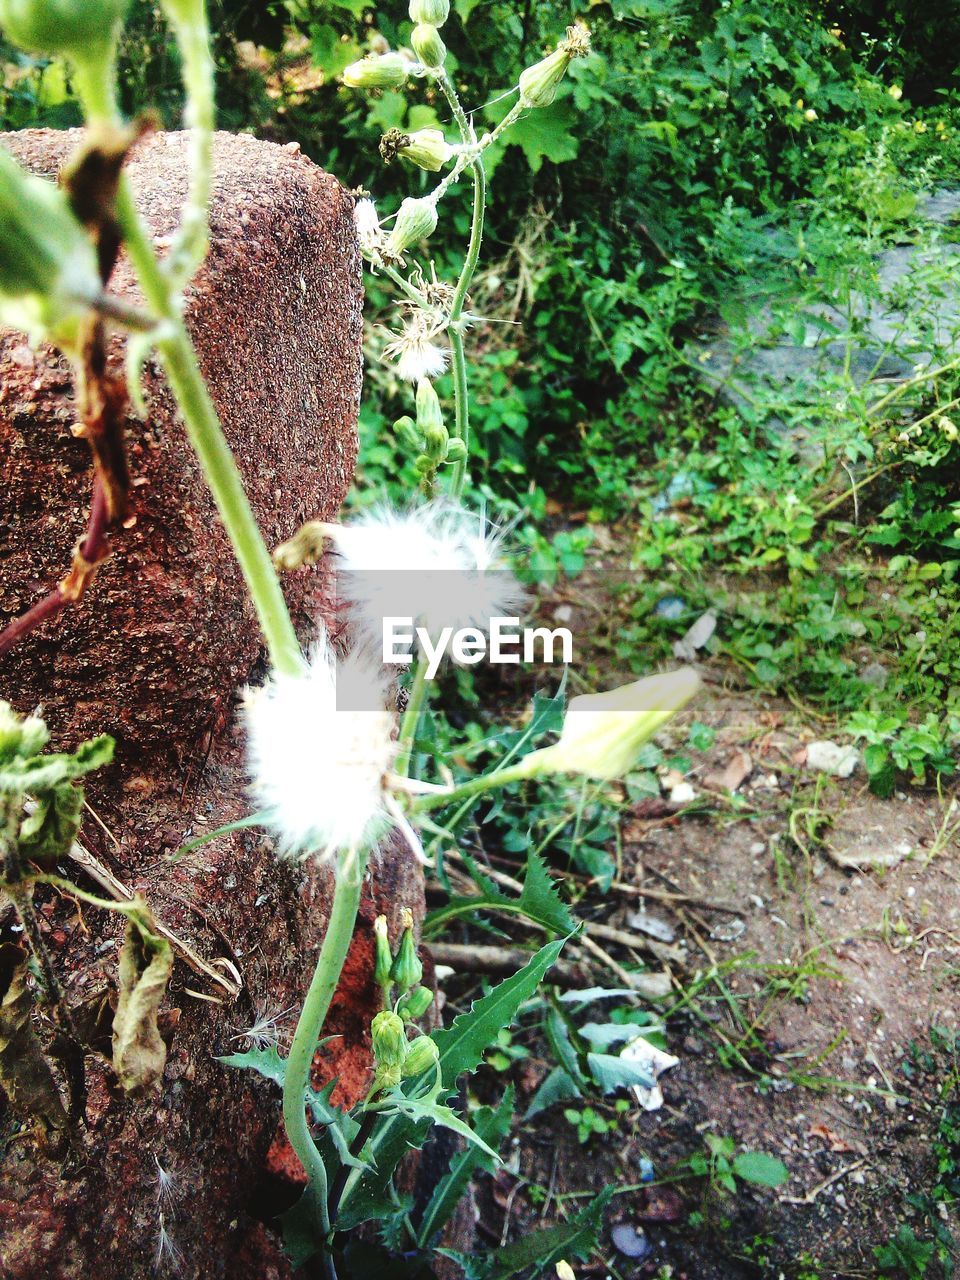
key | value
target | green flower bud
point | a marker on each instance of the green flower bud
(416, 220)
(424, 466)
(435, 443)
(422, 1054)
(381, 970)
(84, 30)
(456, 450)
(602, 732)
(436, 12)
(429, 413)
(405, 430)
(406, 970)
(382, 71)
(389, 1039)
(48, 269)
(415, 1004)
(427, 45)
(539, 83)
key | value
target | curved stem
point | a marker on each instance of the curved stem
(333, 954)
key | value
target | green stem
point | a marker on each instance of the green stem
(475, 787)
(94, 83)
(411, 718)
(333, 954)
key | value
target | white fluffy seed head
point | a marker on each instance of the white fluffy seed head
(437, 563)
(318, 747)
(414, 350)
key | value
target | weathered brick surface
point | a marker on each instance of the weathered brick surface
(155, 655)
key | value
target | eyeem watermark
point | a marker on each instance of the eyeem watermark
(505, 642)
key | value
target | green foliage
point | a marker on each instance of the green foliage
(722, 1166)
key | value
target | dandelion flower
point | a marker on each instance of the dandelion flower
(319, 746)
(437, 563)
(415, 352)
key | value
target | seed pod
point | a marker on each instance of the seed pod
(427, 45)
(422, 1054)
(539, 83)
(79, 29)
(406, 970)
(405, 429)
(48, 269)
(383, 71)
(415, 1004)
(428, 149)
(381, 971)
(416, 220)
(436, 12)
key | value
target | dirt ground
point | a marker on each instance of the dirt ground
(801, 1015)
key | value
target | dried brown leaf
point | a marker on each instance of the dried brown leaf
(24, 1071)
(146, 961)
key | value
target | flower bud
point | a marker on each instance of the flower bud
(422, 1054)
(436, 12)
(539, 83)
(383, 71)
(389, 1039)
(381, 970)
(429, 413)
(602, 732)
(48, 269)
(80, 29)
(415, 1004)
(22, 736)
(406, 431)
(435, 443)
(427, 45)
(456, 450)
(427, 148)
(416, 220)
(406, 970)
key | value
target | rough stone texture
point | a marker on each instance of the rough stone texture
(154, 655)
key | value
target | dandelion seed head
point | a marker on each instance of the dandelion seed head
(437, 563)
(319, 745)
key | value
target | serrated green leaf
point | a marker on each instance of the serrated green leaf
(42, 773)
(265, 1062)
(761, 1169)
(539, 901)
(540, 1249)
(463, 1044)
(461, 1047)
(397, 1103)
(491, 1126)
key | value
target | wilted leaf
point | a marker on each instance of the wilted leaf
(146, 961)
(47, 833)
(24, 1072)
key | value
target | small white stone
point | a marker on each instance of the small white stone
(831, 757)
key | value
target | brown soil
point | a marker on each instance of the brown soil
(837, 975)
